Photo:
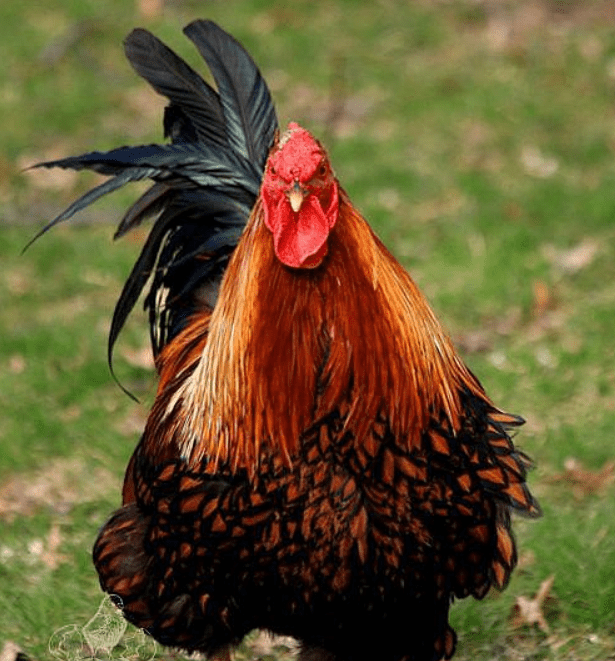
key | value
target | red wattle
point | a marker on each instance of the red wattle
(298, 236)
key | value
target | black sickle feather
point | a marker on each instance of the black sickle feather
(149, 204)
(170, 76)
(165, 237)
(199, 163)
(206, 180)
(246, 102)
(85, 200)
(179, 164)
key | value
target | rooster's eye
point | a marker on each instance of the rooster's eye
(322, 170)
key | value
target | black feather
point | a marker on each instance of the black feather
(85, 200)
(246, 102)
(170, 76)
(206, 180)
(174, 253)
(177, 125)
(200, 163)
(149, 204)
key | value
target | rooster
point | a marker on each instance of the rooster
(318, 461)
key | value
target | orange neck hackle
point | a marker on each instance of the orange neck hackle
(286, 347)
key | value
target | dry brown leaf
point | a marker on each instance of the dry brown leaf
(577, 258)
(17, 363)
(150, 8)
(530, 611)
(537, 164)
(18, 281)
(50, 555)
(543, 299)
(510, 27)
(70, 413)
(584, 481)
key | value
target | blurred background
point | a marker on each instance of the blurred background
(477, 136)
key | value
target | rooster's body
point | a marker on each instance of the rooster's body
(318, 462)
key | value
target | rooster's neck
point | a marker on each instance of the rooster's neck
(287, 347)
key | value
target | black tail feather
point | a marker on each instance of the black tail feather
(206, 180)
(248, 110)
(85, 200)
(182, 164)
(152, 202)
(170, 76)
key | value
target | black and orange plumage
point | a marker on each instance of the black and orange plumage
(318, 462)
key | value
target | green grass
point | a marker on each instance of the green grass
(477, 138)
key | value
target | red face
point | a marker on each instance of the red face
(300, 199)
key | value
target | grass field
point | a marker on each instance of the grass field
(477, 136)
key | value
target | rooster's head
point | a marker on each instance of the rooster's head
(300, 198)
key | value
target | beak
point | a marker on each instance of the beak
(296, 196)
